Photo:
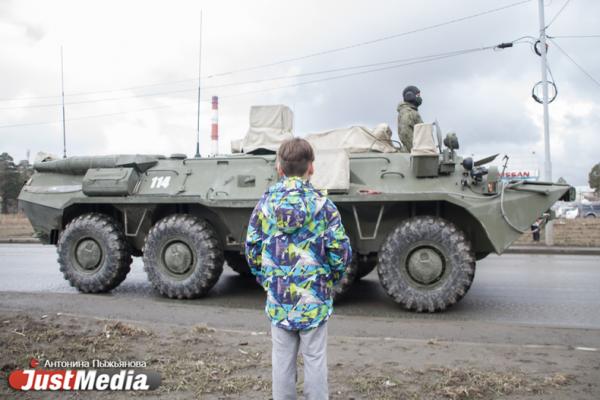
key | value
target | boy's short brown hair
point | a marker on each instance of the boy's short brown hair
(294, 156)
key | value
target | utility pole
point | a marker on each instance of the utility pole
(549, 234)
(199, 83)
(543, 52)
(62, 85)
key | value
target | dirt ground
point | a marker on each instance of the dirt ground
(199, 362)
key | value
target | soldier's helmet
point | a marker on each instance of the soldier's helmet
(410, 93)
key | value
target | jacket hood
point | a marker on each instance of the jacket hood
(288, 204)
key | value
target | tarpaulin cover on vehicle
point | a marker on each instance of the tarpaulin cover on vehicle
(423, 142)
(355, 139)
(269, 127)
(332, 170)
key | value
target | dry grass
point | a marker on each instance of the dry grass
(192, 361)
(202, 329)
(199, 362)
(470, 383)
(384, 387)
(122, 329)
(15, 226)
(455, 384)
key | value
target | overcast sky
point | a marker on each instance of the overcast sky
(128, 51)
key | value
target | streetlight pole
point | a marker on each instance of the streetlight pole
(549, 234)
(547, 162)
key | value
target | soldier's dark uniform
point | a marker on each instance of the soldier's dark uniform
(408, 116)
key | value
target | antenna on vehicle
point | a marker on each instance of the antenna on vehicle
(62, 85)
(214, 129)
(199, 84)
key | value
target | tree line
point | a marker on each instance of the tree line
(12, 178)
(594, 179)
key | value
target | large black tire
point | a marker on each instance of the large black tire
(426, 264)
(182, 257)
(237, 262)
(93, 253)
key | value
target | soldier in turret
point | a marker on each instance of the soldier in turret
(408, 115)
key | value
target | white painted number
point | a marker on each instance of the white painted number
(160, 182)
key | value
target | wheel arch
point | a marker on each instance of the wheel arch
(137, 219)
(397, 212)
(471, 226)
(75, 210)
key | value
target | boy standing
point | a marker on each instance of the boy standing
(298, 250)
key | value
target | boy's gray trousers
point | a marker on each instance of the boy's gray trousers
(313, 346)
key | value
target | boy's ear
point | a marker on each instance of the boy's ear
(311, 168)
(279, 169)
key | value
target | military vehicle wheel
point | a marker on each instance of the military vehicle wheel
(182, 257)
(426, 264)
(93, 253)
(237, 262)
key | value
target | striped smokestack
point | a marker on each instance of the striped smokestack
(214, 131)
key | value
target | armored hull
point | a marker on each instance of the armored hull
(408, 215)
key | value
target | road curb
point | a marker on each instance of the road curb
(20, 240)
(588, 251)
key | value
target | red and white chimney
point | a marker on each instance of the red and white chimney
(214, 131)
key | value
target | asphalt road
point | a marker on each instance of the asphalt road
(535, 290)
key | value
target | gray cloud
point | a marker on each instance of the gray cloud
(484, 97)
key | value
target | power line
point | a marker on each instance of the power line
(99, 100)
(311, 55)
(87, 93)
(576, 64)
(573, 36)
(255, 81)
(337, 69)
(431, 58)
(558, 13)
(358, 73)
(372, 41)
(99, 115)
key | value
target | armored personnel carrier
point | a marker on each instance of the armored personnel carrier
(422, 219)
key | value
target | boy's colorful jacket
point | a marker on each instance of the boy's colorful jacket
(297, 248)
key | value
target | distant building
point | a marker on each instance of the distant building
(523, 167)
(585, 194)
